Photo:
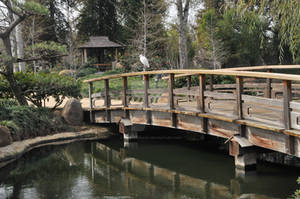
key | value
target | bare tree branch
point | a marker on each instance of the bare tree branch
(12, 26)
(9, 7)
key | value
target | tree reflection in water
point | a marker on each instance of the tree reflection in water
(95, 170)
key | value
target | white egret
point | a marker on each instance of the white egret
(144, 61)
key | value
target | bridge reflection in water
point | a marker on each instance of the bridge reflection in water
(144, 178)
(154, 169)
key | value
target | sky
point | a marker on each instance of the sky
(172, 14)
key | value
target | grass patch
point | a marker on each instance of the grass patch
(134, 83)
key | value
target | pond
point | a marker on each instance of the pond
(150, 169)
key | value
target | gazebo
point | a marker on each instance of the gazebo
(101, 50)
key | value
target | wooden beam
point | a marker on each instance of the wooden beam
(287, 97)
(189, 85)
(252, 68)
(211, 82)
(174, 120)
(116, 54)
(239, 92)
(124, 92)
(90, 94)
(91, 102)
(201, 98)
(171, 91)
(85, 57)
(185, 72)
(107, 101)
(268, 89)
(146, 91)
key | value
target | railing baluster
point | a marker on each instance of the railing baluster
(91, 101)
(268, 89)
(287, 97)
(211, 83)
(146, 91)
(171, 91)
(107, 99)
(124, 94)
(90, 94)
(201, 98)
(239, 92)
(189, 85)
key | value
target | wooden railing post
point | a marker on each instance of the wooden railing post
(146, 91)
(211, 83)
(91, 101)
(124, 92)
(287, 97)
(171, 91)
(107, 99)
(189, 85)
(90, 94)
(268, 89)
(239, 92)
(201, 98)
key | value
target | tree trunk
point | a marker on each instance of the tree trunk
(182, 14)
(145, 30)
(16, 90)
(13, 39)
(20, 47)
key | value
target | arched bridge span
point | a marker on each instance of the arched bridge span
(249, 109)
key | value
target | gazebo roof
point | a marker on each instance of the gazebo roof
(100, 42)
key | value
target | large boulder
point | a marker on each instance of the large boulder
(72, 112)
(5, 136)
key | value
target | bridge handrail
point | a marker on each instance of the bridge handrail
(266, 75)
(270, 67)
(250, 68)
(289, 119)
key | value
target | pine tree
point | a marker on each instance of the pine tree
(98, 18)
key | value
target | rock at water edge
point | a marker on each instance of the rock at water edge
(5, 136)
(72, 112)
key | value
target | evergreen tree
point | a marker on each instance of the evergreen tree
(144, 23)
(99, 18)
(54, 25)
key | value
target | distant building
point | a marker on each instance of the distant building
(101, 51)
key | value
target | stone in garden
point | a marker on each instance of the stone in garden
(164, 98)
(5, 136)
(67, 72)
(72, 112)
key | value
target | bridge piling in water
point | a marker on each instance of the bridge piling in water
(130, 135)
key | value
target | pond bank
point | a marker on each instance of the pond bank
(15, 150)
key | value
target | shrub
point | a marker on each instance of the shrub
(82, 72)
(28, 121)
(38, 87)
(218, 79)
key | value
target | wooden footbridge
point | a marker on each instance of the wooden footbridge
(257, 110)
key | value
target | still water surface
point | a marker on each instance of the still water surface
(153, 169)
